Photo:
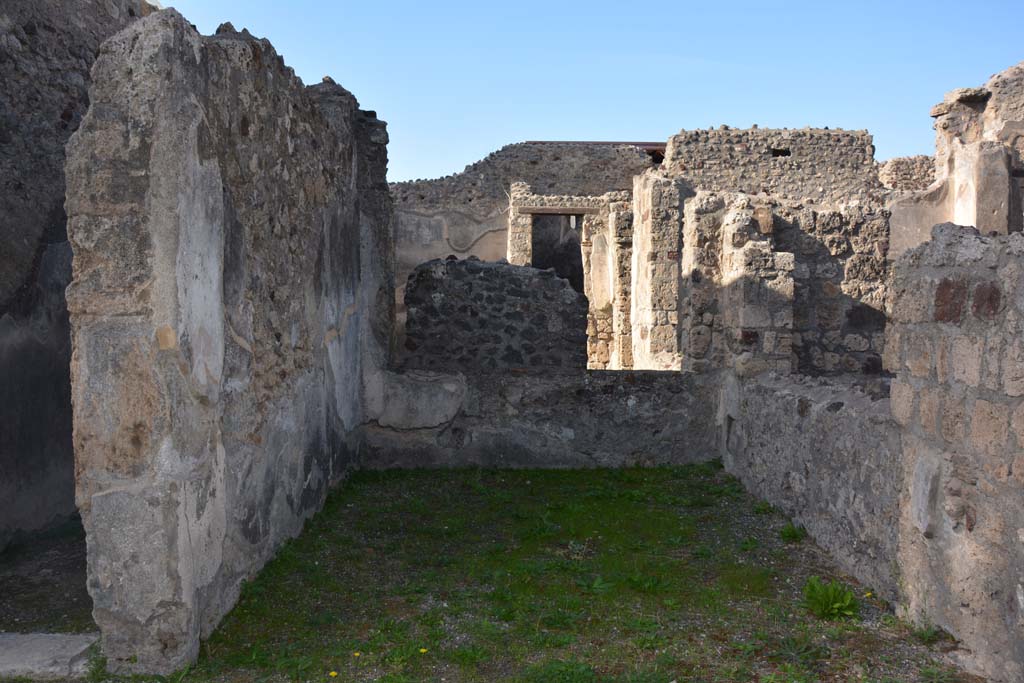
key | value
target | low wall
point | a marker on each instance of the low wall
(828, 454)
(563, 420)
(472, 316)
(223, 346)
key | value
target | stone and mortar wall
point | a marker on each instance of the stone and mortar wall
(827, 452)
(710, 287)
(979, 164)
(956, 347)
(736, 292)
(225, 349)
(479, 317)
(755, 302)
(466, 213)
(840, 273)
(620, 261)
(829, 167)
(46, 50)
(907, 174)
(560, 419)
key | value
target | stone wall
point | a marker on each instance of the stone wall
(979, 158)
(554, 419)
(956, 347)
(736, 291)
(655, 274)
(840, 274)
(728, 280)
(46, 51)
(225, 348)
(473, 316)
(827, 453)
(829, 167)
(908, 174)
(466, 213)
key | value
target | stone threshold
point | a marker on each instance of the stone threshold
(45, 656)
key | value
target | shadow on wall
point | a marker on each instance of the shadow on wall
(556, 244)
(839, 286)
(37, 471)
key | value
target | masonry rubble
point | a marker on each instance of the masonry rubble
(774, 298)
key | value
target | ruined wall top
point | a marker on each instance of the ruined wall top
(823, 165)
(994, 113)
(907, 174)
(576, 168)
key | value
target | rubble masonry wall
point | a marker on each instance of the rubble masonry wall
(956, 348)
(827, 453)
(467, 213)
(555, 419)
(473, 316)
(829, 167)
(908, 174)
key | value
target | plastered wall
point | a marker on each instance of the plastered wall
(226, 350)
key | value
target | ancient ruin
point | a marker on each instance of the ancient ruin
(255, 313)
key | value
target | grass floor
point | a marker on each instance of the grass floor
(652, 575)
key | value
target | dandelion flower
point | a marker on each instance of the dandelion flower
(868, 594)
(356, 654)
(333, 674)
(423, 650)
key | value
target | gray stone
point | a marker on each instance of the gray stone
(45, 656)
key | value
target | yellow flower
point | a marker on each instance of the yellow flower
(423, 650)
(868, 594)
(333, 674)
(356, 654)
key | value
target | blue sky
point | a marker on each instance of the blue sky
(457, 80)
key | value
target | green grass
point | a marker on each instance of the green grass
(598, 576)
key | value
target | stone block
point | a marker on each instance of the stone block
(918, 355)
(954, 417)
(901, 399)
(987, 301)
(989, 422)
(950, 299)
(1013, 367)
(928, 408)
(965, 360)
